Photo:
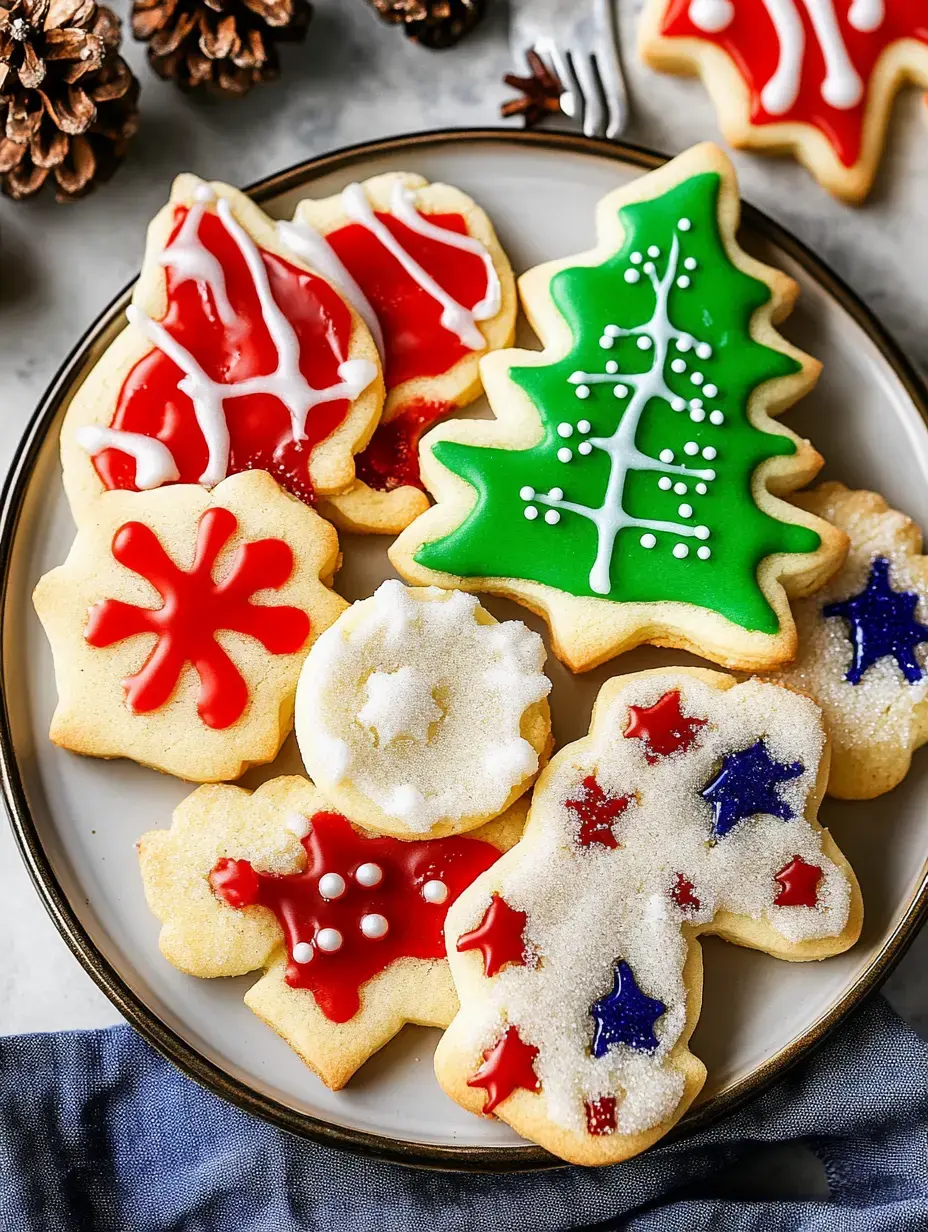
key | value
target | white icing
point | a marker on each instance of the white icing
(154, 462)
(192, 261)
(369, 875)
(435, 892)
(331, 885)
(588, 907)
(455, 317)
(286, 382)
(427, 703)
(303, 952)
(374, 926)
(318, 253)
(866, 15)
(842, 87)
(329, 940)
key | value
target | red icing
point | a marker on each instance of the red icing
(798, 884)
(195, 608)
(391, 460)
(498, 937)
(597, 814)
(259, 424)
(751, 41)
(416, 928)
(508, 1065)
(600, 1116)
(682, 894)
(663, 728)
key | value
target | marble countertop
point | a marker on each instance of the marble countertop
(355, 80)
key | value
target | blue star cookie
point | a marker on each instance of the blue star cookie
(882, 624)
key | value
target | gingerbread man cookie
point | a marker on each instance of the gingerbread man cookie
(863, 644)
(422, 264)
(629, 489)
(180, 621)
(418, 714)
(690, 808)
(813, 77)
(348, 927)
(237, 357)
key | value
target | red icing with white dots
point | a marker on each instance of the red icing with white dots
(342, 958)
(751, 38)
(151, 402)
(195, 608)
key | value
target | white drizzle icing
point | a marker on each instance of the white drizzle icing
(455, 317)
(286, 382)
(154, 462)
(192, 262)
(841, 87)
(317, 252)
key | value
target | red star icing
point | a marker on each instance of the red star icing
(341, 925)
(498, 936)
(797, 73)
(798, 884)
(600, 1116)
(195, 608)
(663, 728)
(508, 1065)
(597, 814)
(682, 893)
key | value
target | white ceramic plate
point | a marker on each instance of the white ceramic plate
(77, 819)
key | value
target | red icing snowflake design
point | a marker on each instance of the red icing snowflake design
(662, 728)
(359, 904)
(508, 1066)
(805, 61)
(597, 814)
(798, 884)
(195, 608)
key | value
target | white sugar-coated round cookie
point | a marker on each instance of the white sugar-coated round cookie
(418, 714)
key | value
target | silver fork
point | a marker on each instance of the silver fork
(580, 39)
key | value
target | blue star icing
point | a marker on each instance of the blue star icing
(747, 785)
(882, 624)
(625, 1016)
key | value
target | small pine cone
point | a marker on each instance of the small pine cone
(436, 24)
(68, 100)
(226, 46)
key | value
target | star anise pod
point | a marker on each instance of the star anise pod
(541, 92)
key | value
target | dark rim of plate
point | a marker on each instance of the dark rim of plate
(161, 1036)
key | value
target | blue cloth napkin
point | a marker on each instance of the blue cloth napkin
(99, 1134)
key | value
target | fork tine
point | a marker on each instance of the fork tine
(610, 67)
(572, 97)
(594, 109)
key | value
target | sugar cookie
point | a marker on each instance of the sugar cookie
(180, 620)
(809, 77)
(418, 714)
(690, 808)
(422, 264)
(629, 489)
(236, 358)
(863, 644)
(347, 926)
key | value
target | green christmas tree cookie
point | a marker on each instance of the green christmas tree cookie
(630, 486)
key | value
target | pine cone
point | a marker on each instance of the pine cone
(227, 46)
(436, 24)
(68, 100)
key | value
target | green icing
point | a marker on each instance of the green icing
(612, 496)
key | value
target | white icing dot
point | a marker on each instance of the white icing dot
(696, 403)
(683, 281)
(710, 390)
(527, 493)
(704, 350)
(709, 474)
(697, 415)
(329, 940)
(552, 517)
(613, 331)
(612, 367)
(685, 511)
(650, 267)
(331, 885)
(368, 874)
(690, 263)
(636, 258)
(709, 453)
(648, 541)
(716, 418)
(665, 483)
(565, 454)
(703, 553)
(584, 447)
(582, 391)
(691, 448)
(654, 251)
(620, 391)
(606, 342)
(584, 425)
(678, 404)
(632, 275)
(530, 512)
(680, 489)
(702, 532)
(702, 489)
(374, 926)
(666, 455)
(684, 224)
(680, 550)
(644, 343)
(556, 493)
(297, 824)
(684, 343)
(565, 429)
(697, 378)
(302, 952)
(678, 365)
(435, 892)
